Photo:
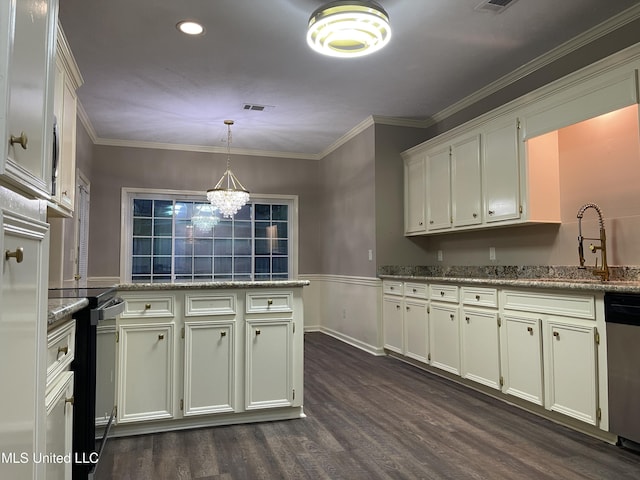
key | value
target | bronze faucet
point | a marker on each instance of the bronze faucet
(603, 271)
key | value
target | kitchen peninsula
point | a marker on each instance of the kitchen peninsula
(185, 355)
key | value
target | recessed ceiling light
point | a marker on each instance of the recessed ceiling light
(190, 27)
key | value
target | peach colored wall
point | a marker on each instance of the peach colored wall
(600, 163)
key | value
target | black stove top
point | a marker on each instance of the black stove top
(95, 295)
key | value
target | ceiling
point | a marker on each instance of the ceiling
(146, 83)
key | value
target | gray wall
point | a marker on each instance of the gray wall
(117, 167)
(347, 223)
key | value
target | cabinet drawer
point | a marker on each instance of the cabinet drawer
(416, 290)
(203, 305)
(582, 306)
(148, 307)
(392, 288)
(481, 297)
(269, 302)
(60, 350)
(443, 293)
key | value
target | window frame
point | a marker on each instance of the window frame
(126, 216)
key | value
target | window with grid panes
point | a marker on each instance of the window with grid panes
(180, 240)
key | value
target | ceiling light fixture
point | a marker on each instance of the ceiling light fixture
(348, 28)
(190, 28)
(228, 196)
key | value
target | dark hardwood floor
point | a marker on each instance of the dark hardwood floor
(375, 418)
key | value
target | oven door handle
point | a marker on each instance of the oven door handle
(115, 308)
(111, 310)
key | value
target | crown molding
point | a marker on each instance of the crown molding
(86, 122)
(202, 148)
(599, 31)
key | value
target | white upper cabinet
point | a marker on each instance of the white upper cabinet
(501, 170)
(26, 54)
(415, 195)
(465, 181)
(67, 81)
(439, 188)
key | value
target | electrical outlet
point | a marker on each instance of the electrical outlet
(492, 253)
(440, 256)
(370, 255)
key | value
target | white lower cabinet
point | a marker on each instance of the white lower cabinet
(268, 375)
(393, 330)
(105, 370)
(416, 329)
(444, 335)
(573, 385)
(145, 379)
(480, 349)
(209, 367)
(59, 432)
(539, 346)
(521, 351)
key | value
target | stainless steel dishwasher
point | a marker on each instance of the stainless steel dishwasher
(622, 317)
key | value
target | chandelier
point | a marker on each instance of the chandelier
(348, 28)
(228, 196)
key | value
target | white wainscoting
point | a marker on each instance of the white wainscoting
(345, 307)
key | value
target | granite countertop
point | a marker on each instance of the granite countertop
(212, 285)
(623, 279)
(61, 308)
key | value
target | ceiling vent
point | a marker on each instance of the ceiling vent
(256, 108)
(495, 6)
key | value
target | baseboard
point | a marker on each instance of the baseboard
(347, 339)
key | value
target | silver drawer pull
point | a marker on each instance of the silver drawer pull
(147, 306)
(270, 302)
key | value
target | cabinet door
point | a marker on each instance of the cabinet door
(145, 372)
(105, 370)
(59, 433)
(480, 347)
(269, 369)
(209, 371)
(465, 182)
(521, 358)
(439, 189)
(23, 298)
(444, 337)
(415, 195)
(392, 323)
(416, 334)
(573, 385)
(30, 68)
(501, 171)
(65, 103)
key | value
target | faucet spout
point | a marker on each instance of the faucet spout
(603, 271)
